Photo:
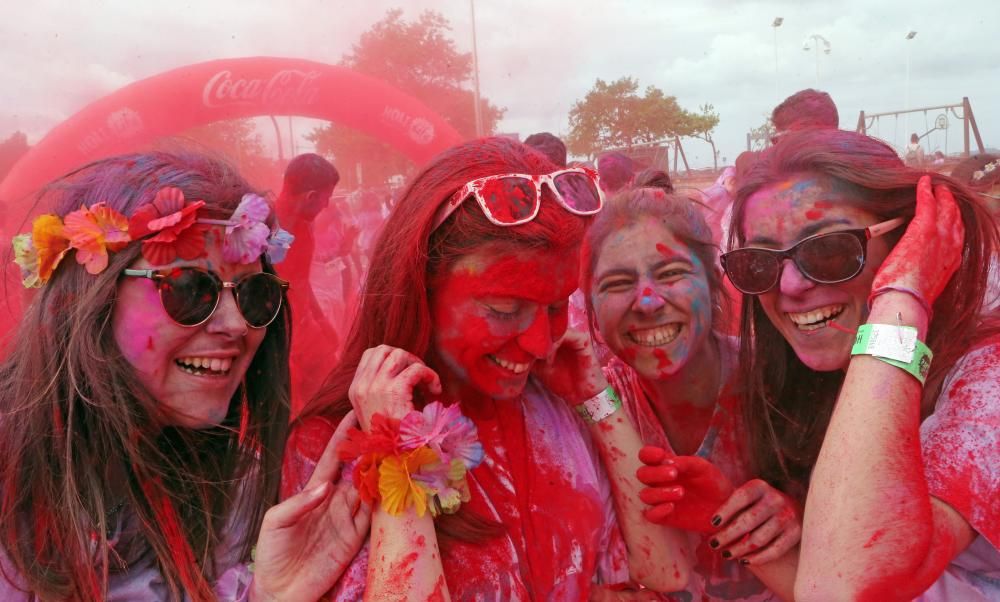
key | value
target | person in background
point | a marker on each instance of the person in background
(550, 146)
(806, 109)
(913, 154)
(654, 178)
(308, 185)
(616, 170)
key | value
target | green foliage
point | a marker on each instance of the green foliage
(614, 115)
(419, 58)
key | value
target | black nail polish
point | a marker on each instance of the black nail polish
(716, 520)
(714, 543)
(727, 554)
(744, 561)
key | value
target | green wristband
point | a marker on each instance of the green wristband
(895, 345)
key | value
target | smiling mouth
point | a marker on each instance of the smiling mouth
(656, 336)
(205, 366)
(510, 366)
(816, 318)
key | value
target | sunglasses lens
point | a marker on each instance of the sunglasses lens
(834, 257)
(510, 200)
(189, 296)
(579, 192)
(259, 298)
(752, 271)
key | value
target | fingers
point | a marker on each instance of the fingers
(660, 495)
(785, 542)
(290, 511)
(755, 541)
(656, 476)
(652, 455)
(659, 514)
(328, 466)
(415, 374)
(926, 211)
(745, 495)
(769, 504)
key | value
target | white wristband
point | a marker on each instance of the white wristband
(600, 406)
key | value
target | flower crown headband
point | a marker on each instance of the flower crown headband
(987, 169)
(170, 227)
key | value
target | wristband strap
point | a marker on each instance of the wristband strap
(600, 406)
(895, 345)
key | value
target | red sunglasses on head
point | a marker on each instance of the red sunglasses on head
(514, 198)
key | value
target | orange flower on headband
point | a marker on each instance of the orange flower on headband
(174, 222)
(93, 232)
(38, 253)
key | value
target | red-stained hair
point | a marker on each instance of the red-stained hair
(789, 405)
(394, 307)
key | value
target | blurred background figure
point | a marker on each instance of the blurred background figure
(549, 145)
(806, 109)
(305, 194)
(616, 171)
(913, 154)
(654, 178)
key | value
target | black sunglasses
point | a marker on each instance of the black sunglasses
(191, 295)
(826, 258)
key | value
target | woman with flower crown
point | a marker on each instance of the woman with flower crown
(498, 460)
(144, 405)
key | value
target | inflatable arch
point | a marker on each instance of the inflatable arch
(227, 89)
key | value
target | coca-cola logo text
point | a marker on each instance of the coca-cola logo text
(286, 87)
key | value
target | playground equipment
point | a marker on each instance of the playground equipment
(870, 125)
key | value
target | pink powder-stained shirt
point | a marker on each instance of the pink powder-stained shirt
(960, 442)
(713, 577)
(541, 478)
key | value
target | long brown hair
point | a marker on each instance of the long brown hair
(73, 407)
(394, 308)
(788, 405)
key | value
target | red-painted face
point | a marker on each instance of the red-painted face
(192, 372)
(496, 313)
(651, 299)
(781, 215)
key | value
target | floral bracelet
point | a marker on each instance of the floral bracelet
(419, 461)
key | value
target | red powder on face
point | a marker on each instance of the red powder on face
(647, 292)
(663, 249)
(875, 537)
(814, 214)
(149, 344)
(823, 205)
(662, 361)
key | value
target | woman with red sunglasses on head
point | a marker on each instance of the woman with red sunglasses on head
(145, 402)
(473, 400)
(654, 296)
(856, 268)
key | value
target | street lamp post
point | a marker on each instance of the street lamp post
(906, 89)
(816, 42)
(475, 72)
(775, 25)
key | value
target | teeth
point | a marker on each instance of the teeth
(202, 365)
(816, 318)
(654, 337)
(513, 367)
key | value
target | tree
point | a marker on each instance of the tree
(613, 115)
(700, 125)
(239, 141)
(11, 150)
(419, 58)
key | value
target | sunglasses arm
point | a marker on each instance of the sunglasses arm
(883, 227)
(151, 274)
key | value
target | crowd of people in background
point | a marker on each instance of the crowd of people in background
(519, 377)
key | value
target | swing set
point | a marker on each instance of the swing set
(870, 125)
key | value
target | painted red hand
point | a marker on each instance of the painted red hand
(384, 383)
(931, 248)
(684, 491)
(572, 371)
(758, 524)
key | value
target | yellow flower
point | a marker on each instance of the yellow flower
(50, 244)
(95, 231)
(396, 484)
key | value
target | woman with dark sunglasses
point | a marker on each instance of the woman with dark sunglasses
(655, 297)
(145, 400)
(465, 312)
(896, 447)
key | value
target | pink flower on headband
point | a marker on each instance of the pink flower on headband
(176, 228)
(93, 233)
(248, 233)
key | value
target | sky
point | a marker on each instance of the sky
(536, 58)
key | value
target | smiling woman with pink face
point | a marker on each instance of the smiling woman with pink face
(871, 367)
(499, 464)
(145, 402)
